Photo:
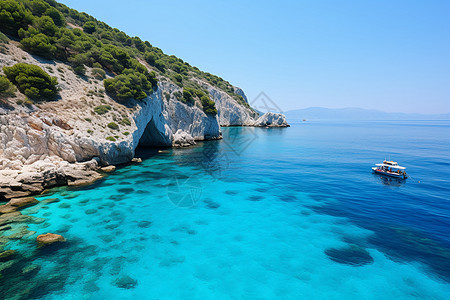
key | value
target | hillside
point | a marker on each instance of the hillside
(54, 31)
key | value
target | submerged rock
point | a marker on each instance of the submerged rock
(12, 217)
(144, 224)
(7, 255)
(17, 203)
(6, 208)
(5, 227)
(125, 282)
(211, 204)
(352, 255)
(23, 202)
(50, 200)
(49, 238)
(125, 190)
(271, 119)
(64, 205)
(30, 270)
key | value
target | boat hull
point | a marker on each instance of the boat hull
(384, 173)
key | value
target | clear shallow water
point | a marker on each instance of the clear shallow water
(277, 213)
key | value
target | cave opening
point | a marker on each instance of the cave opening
(152, 140)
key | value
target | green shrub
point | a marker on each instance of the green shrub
(88, 120)
(98, 73)
(80, 70)
(89, 131)
(179, 96)
(45, 25)
(38, 7)
(6, 87)
(3, 38)
(126, 133)
(150, 58)
(178, 79)
(111, 138)
(39, 44)
(125, 121)
(166, 96)
(31, 80)
(187, 96)
(113, 126)
(209, 107)
(56, 16)
(13, 16)
(127, 86)
(102, 109)
(89, 27)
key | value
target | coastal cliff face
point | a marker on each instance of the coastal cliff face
(71, 129)
(85, 123)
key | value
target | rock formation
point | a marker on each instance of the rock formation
(271, 119)
(49, 238)
(65, 141)
(182, 139)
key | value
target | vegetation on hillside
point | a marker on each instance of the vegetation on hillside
(7, 89)
(54, 31)
(31, 80)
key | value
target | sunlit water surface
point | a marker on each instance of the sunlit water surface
(262, 214)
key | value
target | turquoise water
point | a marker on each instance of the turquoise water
(265, 213)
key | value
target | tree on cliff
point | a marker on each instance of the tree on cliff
(31, 80)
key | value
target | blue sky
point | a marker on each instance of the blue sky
(386, 55)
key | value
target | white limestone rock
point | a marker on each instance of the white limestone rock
(229, 111)
(271, 119)
(182, 139)
(48, 141)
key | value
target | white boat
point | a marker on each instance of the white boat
(390, 168)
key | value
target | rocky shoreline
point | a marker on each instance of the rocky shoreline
(20, 178)
(68, 141)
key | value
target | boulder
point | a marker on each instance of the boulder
(11, 218)
(8, 193)
(49, 238)
(23, 202)
(271, 119)
(125, 282)
(108, 169)
(7, 208)
(50, 200)
(81, 177)
(62, 124)
(182, 139)
(136, 160)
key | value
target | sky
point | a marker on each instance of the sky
(385, 55)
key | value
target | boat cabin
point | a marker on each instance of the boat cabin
(390, 168)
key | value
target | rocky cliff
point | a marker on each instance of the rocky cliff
(85, 123)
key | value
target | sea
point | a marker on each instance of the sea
(280, 213)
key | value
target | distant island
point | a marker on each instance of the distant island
(353, 113)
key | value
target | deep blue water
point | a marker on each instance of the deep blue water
(264, 213)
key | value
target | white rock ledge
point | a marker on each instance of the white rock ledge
(271, 119)
(182, 139)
